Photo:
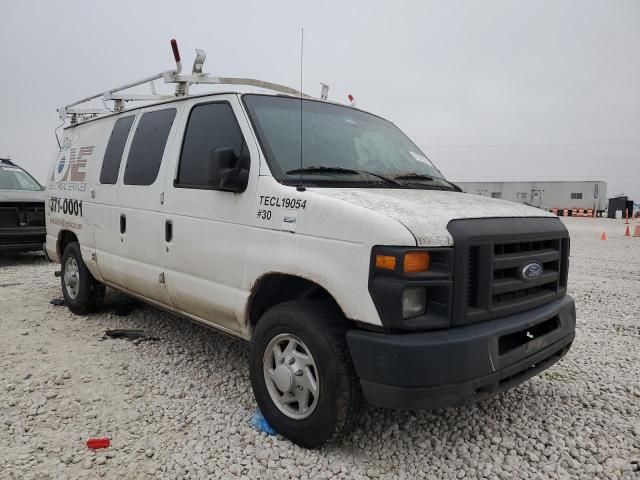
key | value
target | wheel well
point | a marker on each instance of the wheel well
(65, 237)
(275, 288)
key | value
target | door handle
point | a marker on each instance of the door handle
(168, 231)
(123, 223)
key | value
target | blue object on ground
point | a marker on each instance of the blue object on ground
(260, 423)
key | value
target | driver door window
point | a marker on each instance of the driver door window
(210, 126)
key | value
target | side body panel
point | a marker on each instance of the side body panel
(140, 207)
(72, 178)
(106, 222)
(319, 238)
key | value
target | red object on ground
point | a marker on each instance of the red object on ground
(626, 232)
(96, 443)
(603, 236)
(636, 232)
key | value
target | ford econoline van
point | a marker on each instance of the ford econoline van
(317, 232)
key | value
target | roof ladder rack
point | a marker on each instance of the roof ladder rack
(76, 114)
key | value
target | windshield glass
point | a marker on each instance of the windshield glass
(347, 144)
(14, 178)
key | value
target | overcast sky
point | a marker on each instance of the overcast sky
(490, 90)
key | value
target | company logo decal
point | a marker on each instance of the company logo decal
(531, 272)
(72, 164)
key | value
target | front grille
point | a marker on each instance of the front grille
(34, 216)
(508, 260)
(9, 218)
(497, 274)
(490, 255)
(16, 215)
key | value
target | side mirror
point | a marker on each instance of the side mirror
(225, 171)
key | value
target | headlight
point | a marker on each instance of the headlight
(414, 302)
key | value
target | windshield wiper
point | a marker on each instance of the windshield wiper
(438, 182)
(414, 176)
(321, 169)
(342, 170)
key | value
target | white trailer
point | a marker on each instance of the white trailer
(580, 194)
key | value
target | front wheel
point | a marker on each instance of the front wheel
(82, 293)
(301, 372)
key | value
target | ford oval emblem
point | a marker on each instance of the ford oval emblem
(531, 271)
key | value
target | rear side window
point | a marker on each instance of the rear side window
(147, 147)
(210, 126)
(115, 148)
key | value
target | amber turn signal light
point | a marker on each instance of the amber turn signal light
(415, 262)
(386, 262)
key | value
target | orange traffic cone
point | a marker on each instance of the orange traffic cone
(636, 232)
(627, 233)
(603, 236)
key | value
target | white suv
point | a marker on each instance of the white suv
(351, 265)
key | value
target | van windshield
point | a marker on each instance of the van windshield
(339, 145)
(14, 178)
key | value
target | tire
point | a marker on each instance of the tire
(82, 293)
(321, 329)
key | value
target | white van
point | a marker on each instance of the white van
(346, 259)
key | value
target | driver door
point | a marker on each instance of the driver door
(206, 229)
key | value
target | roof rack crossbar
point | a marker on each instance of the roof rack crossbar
(205, 79)
(112, 94)
(130, 97)
(182, 82)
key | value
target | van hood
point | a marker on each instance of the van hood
(426, 213)
(21, 195)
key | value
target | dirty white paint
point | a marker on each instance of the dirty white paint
(426, 213)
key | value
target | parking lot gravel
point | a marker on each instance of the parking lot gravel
(180, 406)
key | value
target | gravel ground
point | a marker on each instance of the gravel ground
(179, 407)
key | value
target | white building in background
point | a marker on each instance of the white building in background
(547, 195)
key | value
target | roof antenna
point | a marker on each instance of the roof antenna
(300, 187)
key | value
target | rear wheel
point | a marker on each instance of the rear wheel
(301, 372)
(82, 293)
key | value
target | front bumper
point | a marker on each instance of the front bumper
(25, 239)
(461, 365)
